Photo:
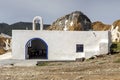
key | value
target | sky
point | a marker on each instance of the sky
(12, 11)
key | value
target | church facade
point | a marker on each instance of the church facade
(58, 45)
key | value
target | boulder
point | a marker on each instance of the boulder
(75, 21)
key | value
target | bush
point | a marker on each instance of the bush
(42, 63)
(115, 47)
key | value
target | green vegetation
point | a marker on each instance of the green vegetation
(42, 64)
(115, 47)
(117, 60)
(49, 64)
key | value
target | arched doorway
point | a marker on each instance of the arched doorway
(36, 48)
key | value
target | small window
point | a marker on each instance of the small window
(79, 48)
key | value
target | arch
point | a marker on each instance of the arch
(36, 48)
(39, 20)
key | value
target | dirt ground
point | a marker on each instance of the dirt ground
(104, 68)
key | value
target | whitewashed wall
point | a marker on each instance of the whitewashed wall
(62, 44)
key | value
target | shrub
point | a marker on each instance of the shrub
(42, 63)
(115, 47)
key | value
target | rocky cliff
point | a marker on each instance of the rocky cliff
(75, 21)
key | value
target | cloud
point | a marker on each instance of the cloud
(24, 10)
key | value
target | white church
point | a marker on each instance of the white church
(58, 45)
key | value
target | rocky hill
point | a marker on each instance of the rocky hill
(75, 21)
(116, 23)
(99, 26)
(5, 28)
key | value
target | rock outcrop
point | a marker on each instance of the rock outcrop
(76, 21)
(116, 24)
(115, 34)
(5, 43)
